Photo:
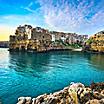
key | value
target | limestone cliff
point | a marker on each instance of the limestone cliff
(96, 42)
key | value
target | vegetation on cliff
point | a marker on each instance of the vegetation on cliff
(96, 42)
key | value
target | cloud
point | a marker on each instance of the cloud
(28, 7)
(82, 16)
(32, 7)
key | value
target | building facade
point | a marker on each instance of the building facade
(28, 38)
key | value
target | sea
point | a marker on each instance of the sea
(32, 74)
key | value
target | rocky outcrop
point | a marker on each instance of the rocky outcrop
(38, 39)
(96, 43)
(76, 93)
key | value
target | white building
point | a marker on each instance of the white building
(53, 37)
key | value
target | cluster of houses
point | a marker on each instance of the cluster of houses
(28, 38)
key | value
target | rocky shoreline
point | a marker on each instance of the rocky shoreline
(75, 93)
(42, 51)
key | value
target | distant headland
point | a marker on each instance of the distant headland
(95, 43)
(4, 44)
(38, 39)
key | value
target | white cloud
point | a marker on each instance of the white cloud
(28, 7)
(61, 15)
(64, 15)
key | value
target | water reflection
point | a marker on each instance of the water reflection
(97, 60)
(29, 63)
(42, 62)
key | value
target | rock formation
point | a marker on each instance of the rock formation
(96, 42)
(39, 39)
(76, 93)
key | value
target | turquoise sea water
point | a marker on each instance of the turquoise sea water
(28, 74)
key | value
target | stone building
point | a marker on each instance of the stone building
(23, 32)
(19, 41)
(71, 38)
(40, 34)
(40, 39)
(55, 35)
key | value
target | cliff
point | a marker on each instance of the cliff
(96, 42)
(39, 39)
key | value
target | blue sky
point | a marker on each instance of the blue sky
(80, 16)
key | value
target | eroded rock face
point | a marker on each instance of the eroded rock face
(94, 101)
(76, 93)
(21, 100)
